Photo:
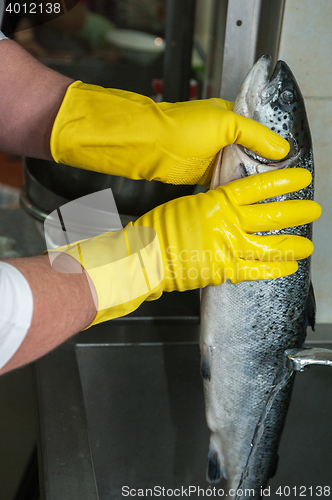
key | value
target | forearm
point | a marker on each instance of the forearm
(31, 95)
(62, 306)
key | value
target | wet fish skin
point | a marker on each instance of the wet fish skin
(245, 328)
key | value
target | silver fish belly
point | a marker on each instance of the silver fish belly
(246, 327)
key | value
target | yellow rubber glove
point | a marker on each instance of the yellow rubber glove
(127, 134)
(199, 240)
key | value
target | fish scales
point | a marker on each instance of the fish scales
(246, 327)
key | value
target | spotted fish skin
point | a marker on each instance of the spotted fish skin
(246, 327)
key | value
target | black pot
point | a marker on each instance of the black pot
(48, 185)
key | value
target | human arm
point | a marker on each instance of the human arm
(117, 132)
(62, 306)
(31, 95)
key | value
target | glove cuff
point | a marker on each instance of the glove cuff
(125, 268)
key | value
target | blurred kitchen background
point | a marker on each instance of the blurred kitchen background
(305, 44)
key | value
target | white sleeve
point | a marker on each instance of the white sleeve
(2, 36)
(16, 308)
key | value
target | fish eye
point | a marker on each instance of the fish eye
(287, 97)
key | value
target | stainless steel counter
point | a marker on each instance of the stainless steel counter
(122, 405)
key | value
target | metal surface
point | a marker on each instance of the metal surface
(212, 80)
(16, 224)
(151, 430)
(31, 208)
(240, 44)
(269, 30)
(179, 42)
(142, 421)
(65, 460)
(305, 452)
(240, 33)
(300, 359)
(48, 185)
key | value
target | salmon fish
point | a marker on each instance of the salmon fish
(246, 327)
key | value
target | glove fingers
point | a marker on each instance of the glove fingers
(267, 185)
(279, 215)
(277, 248)
(252, 271)
(258, 138)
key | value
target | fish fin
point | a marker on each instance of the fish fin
(206, 361)
(311, 308)
(214, 470)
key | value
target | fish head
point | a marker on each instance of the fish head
(280, 106)
(277, 102)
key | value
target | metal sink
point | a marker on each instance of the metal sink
(122, 405)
